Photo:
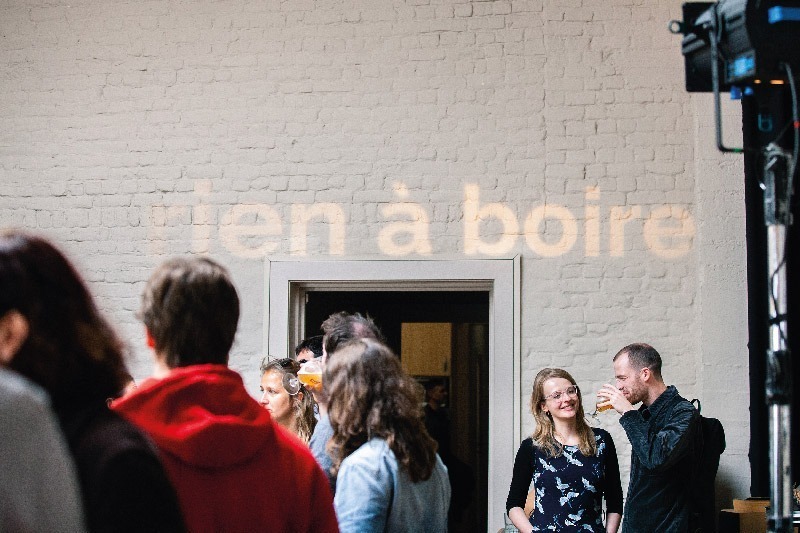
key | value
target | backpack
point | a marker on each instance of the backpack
(703, 502)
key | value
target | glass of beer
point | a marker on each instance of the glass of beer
(310, 375)
(600, 408)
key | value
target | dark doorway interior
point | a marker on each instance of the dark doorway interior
(467, 376)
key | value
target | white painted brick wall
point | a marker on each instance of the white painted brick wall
(132, 129)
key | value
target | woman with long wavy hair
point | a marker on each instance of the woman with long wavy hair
(54, 335)
(389, 477)
(286, 399)
(572, 466)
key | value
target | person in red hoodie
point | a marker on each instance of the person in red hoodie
(234, 469)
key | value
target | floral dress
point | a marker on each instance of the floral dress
(570, 487)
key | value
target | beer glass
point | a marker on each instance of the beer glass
(598, 408)
(310, 375)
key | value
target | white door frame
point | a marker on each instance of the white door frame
(288, 279)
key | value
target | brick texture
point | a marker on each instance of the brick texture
(559, 131)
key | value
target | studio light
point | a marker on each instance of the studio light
(751, 37)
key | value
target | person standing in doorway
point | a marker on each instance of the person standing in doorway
(338, 328)
(665, 439)
(390, 478)
(308, 349)
(437, 422)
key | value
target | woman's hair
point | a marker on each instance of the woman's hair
(70, 350)
(544, 434)
(302, 404)
(372, 396)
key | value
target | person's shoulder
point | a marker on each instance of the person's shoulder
(601, 434)
(106, 433)
(25, 416)
(527, 446)
(285, 445)
(374, 448)
(603, 437)
(17, 392)
(374, 457)
(322, 430)
(682, 405)
(372, 452)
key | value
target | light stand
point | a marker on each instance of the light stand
(753, 43)
(779, 385)
(776, 182)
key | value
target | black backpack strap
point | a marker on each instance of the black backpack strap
(696, 403)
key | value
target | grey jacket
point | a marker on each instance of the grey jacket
(39, 488)
(665, 446)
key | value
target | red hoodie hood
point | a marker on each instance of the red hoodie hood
(201, 414)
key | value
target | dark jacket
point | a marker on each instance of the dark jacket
(124, 485)
(664, 442)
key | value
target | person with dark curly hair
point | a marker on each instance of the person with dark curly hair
(389, 477)
(339, 328)
(286, 399)
(64, 345)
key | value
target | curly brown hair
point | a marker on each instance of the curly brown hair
(372, 396)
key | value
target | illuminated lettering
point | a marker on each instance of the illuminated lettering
(303, 214)
(669, 231)
(474, 214)
(243, 239)
(569, 230)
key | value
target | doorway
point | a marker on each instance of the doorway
(442, 339)
(486, 342)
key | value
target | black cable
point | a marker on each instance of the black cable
(795, 123)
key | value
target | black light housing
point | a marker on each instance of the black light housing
(752, 38)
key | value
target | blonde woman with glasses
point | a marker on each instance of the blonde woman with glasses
(573, 467)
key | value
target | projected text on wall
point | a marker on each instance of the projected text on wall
(489, 228)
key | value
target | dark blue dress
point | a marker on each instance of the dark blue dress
(569, 488)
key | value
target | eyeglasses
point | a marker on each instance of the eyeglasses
(571, 391)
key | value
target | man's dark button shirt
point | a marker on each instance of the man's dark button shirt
(664, 442)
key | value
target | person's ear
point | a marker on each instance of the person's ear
(646, 374)
(151, 342)
(14, 330)
(299, 396)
